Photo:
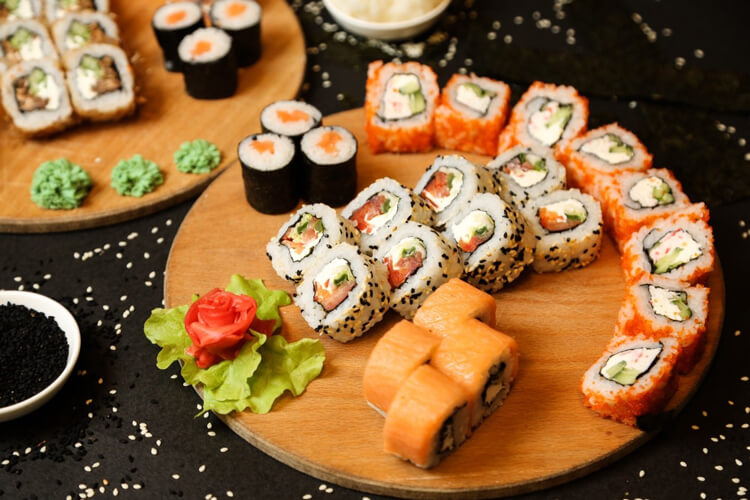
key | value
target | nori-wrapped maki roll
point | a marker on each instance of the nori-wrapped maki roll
(241, 20)
(268, 172)
(330, 171)
(173, 22)
(208, 64)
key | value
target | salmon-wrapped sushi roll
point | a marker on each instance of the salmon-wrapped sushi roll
(677, 247)
(483, 361)
(403, 349)
(428, 418)
(657, 307)
(592, 158)
(545, 115)
(455, 302)
(471, 114)
(400, 107)
(633, 379)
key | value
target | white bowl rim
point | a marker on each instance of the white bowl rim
(51, 308)
(386, 26)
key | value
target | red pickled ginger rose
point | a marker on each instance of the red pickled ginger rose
(218, 325)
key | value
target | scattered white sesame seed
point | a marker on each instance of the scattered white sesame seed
(741, 142)
(731, 129)
(637, 17)
(641, 473)
(698, 53)
(701, 478)
(683, 464)
(679, 62)
(169, 222)
(87, 468)
(694, 427)
(306, 496)
(322, 487)
(146, 255)
(175, 476)
(496, 25)
(703, 495)
(735, 480)
(729, 426)
(154, 451)
(715, 440)
(518, 20)
(113, 347)
(705, 451)
(211, 433)
(202, 468)
(738, 462)
(230, 493)
(507, 38)
(718, 467)
(329, 490)
(136, 486)
(491, 35)
(129, 265)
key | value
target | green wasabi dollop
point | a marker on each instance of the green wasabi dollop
(197, 157)
(136, 176)
(60, 185)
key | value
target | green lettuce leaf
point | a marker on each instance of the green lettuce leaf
(262, 371)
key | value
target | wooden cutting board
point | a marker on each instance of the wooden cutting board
(166, 119)
(541, 436)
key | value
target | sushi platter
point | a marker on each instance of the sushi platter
(163, 121)
(543, 434)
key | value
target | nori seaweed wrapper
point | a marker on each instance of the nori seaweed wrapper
(335, 185)
(211, 80)
(169, 40)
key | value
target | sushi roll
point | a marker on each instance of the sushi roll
(545, 115)
(25, 40)
(677, 247)
(523, 173)
(595, 156)
(55, 9)
(290, 118)
(171, 23)
(330, 166)
(428, 418)
(633, 379)
(35, 97)
(308, 234)
(403, 349)
(568, 229)
(480, 359)
(381, 207)
(83, 28)
(344, 293)
(449, 183)
(399, 106)
(241, 20)
(471, 114)
(656, 307)
(495, 241)
(268, 172)
(452, 303)
(419, 260)
(208, 64)
(634, 199)
(20, 9)
(101, 82)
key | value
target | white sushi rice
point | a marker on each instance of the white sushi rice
(61, 29)
(249, 16)
(279, 157)
(220, 45)
(192, 14)
(54, 10)
(595, 145)
(468, 103)
(41, 47)
(520, 191)
(532, 110)
(26, 9)
(345, 149)
(441, 262)
(271, 118)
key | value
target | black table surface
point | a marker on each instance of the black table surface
(673, 72)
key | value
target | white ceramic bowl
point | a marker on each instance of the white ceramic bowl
(386, 31)
(67, 323)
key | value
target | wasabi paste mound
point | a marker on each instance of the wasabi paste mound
(197, 157)
(60, 185)
(136, 176)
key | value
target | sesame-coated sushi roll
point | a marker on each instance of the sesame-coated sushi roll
(25, 40)
(523, 173)
(568, 229)
(634, 378)
(171, 23)
(330, 166)
(471, 113)
(208, 64)
(449, 183)
(344, 293)
(36, 98)
(400, 106)
(241, 20)
(483, 361)
(290, 118)
(657, 307)
(20, 9)
(101, 82)
(381, 207)
(55, 9)
(399, 352)
(545, 115)
(634, 199)
(678, 247)
(428, 418)
(308, 234)
(419, 260)
(268, 172)
(495, 242)
(594, 157)
(83, 28)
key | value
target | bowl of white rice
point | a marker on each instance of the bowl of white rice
(386, 19)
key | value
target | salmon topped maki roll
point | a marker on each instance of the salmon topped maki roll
(455, 302)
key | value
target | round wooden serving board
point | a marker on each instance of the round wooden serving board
(542, 436)
(166, 119)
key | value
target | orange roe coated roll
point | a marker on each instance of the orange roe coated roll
(457, 130)
(452, 303)
(412, 138)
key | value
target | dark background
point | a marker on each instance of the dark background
(675, 73)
